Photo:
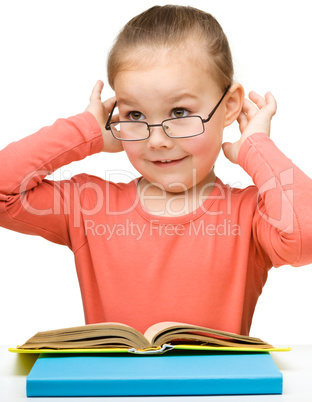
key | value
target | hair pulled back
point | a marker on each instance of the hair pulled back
(170, 26)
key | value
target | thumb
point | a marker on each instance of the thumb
(229, 151)
(96, 91)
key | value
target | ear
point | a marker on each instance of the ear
(234, 103)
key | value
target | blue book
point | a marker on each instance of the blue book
(173, 373)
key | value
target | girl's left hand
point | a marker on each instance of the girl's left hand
(255, 117)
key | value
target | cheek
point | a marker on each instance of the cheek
(133, 151)
(205, 146)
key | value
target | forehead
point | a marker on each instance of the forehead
(164, 72)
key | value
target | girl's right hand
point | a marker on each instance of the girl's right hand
(100, 111)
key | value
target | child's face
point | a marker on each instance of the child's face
(175, 84)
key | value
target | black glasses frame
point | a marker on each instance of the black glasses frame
(108, 123)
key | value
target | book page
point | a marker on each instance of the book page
(88, 336)
(163, 332)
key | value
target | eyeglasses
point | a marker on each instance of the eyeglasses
(179, 127)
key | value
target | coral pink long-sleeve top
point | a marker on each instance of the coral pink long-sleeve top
(207, 267)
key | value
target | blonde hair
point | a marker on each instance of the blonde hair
(168, 27)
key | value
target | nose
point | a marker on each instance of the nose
(159, 139)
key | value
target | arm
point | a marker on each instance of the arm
(283, 217)
(28, 202)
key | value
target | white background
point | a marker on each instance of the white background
(53, 52)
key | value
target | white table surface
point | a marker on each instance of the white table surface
(295, 365)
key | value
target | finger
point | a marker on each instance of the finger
(109, 103)
(257, 99)
(249, 109)
(242, 121)
(96, 91)
(271, 103)
(115, 118)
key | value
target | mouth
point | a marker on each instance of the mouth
(165, 163)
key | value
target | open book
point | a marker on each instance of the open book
(115, 335)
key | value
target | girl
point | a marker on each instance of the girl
(176, 244)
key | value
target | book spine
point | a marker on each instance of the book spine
(159, 387)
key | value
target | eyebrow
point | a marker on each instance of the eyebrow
(173, 99)
(123, 101)
(183, 96)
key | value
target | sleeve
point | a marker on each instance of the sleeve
(282, 224)
(31, 204)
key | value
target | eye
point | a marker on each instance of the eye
(179, 112)
(135, 116)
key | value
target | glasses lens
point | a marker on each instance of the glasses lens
(184, 126)
(130, 130)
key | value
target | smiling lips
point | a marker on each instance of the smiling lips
(168, 162)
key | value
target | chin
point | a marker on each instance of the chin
(177, 186)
